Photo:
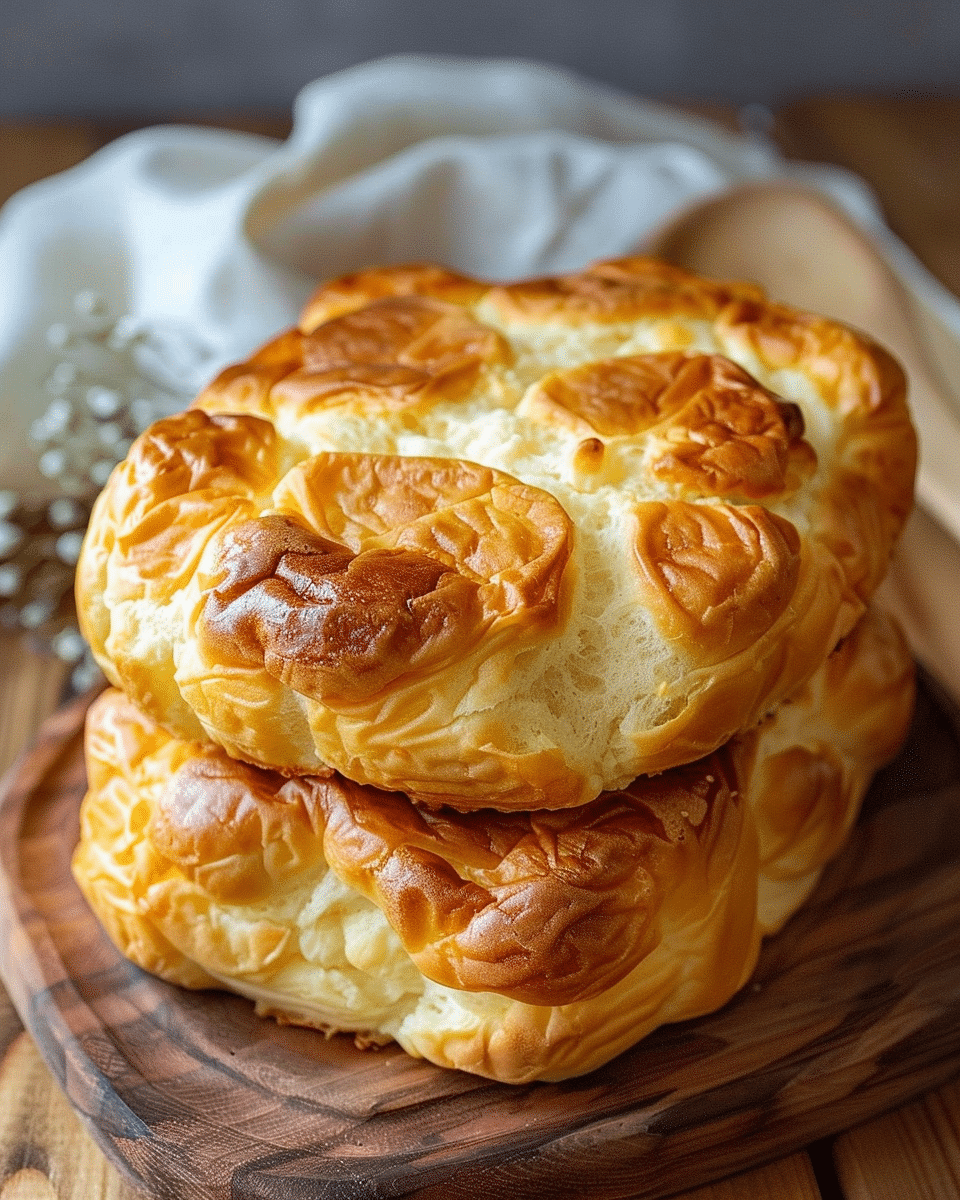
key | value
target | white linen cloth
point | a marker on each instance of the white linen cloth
(501, 169)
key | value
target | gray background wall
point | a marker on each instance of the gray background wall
(139, 59)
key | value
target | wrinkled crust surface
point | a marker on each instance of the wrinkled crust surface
(504, 546)
(721, 433)
(514, 945)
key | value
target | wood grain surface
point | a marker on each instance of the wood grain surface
(854, 1008)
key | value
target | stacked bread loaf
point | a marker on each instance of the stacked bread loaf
(493, 665)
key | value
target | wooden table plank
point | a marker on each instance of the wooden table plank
(48, 1152)
(790, 1179)
(911, 1154)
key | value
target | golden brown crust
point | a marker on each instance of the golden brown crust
(510, 540)
(389, 354)
(329, 623)
(618, 515)
(720, 434)
(351, 292)
(602, 921)
(717, 574)
(547, 908)
(627, 289)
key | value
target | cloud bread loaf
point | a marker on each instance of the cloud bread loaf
(502, 546)
(515, 945)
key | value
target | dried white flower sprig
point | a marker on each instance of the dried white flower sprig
(110, 378)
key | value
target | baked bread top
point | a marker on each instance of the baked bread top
(503, 546)
(517, 945)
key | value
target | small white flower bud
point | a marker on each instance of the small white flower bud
(110, 434)
(69, 646)
(85, 676)
(11, 537)
(38, 431)
(123, 332)
(58, 416)
(64, 513)
(104, 402)
(88, 304)
(62, 376)
(34, 613)
(100, 471)
(11, 579)
(52, 463)
(58, 335)
(68, 546)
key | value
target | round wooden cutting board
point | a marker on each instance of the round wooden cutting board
(854, 1008)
